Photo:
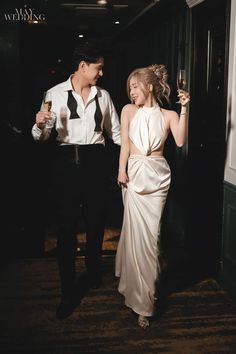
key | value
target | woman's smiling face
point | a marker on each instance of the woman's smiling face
(138, 93)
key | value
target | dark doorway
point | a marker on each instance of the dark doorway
(207, 136)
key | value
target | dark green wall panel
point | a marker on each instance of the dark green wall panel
(228, 273)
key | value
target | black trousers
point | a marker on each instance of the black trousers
(80, 180)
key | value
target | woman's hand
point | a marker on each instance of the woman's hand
(184, 97)
(122, 179)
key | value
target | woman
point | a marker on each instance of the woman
(145, 176)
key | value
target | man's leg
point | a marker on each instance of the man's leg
(68, 200)
(66, 255)
(95, 225)
(94, 204)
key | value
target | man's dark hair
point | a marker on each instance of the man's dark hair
(89, 52)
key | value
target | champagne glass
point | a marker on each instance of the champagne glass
(47, 105)
(47, 101)
(181, 80)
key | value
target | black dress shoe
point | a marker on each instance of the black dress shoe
(65, 308)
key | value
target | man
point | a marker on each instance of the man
(81, 111)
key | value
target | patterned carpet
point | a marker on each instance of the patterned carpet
(111, 238)
(194, 317)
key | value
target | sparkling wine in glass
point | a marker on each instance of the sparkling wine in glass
(47, 101)
(181, 80)
(47, 105)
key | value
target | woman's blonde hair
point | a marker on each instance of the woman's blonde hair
(155, 75)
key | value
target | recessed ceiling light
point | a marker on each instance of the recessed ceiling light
(117, 22)
(81, 36)
(36, 22)
(101, 2)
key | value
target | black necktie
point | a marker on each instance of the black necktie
(72, 105)
(97, 116)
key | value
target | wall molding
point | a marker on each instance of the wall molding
(230, 165)
(192, 3)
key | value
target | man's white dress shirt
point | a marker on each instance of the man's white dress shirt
(80, 130)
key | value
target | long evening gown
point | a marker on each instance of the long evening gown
(138, 252)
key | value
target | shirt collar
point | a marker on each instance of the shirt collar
(68, 86)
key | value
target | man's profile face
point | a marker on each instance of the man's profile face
(93, 71)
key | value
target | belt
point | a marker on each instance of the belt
(74, 151)
(70, 151)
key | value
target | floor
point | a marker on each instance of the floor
(194, 314)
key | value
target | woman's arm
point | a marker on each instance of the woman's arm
(179, 124)
(125, 146)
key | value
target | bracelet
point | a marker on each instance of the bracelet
(183, 114)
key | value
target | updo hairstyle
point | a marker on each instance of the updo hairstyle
(155, 75)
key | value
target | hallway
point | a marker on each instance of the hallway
(195, 316)
(195, 313)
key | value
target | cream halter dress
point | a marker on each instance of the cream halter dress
(137, 257)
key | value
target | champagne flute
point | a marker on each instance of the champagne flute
(47, 101)
(47, 105)
(181, 80)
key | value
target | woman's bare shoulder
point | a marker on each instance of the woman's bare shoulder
(168, 111)
(129, 109)
(169, 114)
